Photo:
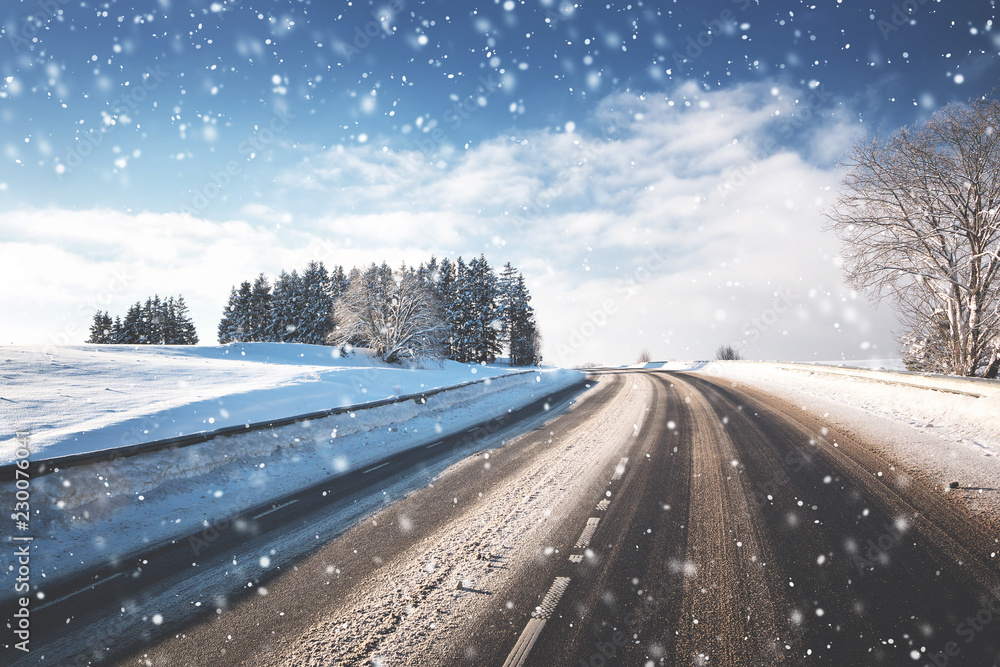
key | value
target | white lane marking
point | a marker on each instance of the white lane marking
(87, 588)
(576, 558)
(551, 599)
(375, 468)
(588, 532)
(620, 469)
(275, 508)
(603, 505)
(519, 654)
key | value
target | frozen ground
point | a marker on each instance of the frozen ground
(92, 397)
(948, 436)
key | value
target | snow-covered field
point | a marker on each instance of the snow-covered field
(86, 398)
(110, 509)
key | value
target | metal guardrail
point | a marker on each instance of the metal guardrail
(40, 467)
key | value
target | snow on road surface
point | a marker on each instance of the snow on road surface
(87, 398)
(108, 510)
(954, 438)
(411, 613)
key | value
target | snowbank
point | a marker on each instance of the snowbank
(111, 509)
(952, 416)
(950, 437)
(86, 398)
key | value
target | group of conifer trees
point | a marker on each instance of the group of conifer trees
(155, 322)
(296, 308)
(453, 309)
(449, 308)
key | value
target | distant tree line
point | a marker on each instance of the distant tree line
(452, 309)
(155, 322)
(297, 308)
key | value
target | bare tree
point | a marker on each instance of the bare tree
(728, 353)
(919, 215)
(392, 313)
(644, 357)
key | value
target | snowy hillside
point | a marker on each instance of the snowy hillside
(90, 397)
(86, 398)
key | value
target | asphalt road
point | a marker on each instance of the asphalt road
(728, 528)
(751, 535)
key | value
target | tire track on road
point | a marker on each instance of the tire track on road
(735, 602)
(880, 570)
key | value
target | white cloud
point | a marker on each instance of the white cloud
(729, 190)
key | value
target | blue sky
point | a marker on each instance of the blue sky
(657, 170)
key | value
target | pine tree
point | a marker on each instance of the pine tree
(228, 322)
(168, 328)
(258, 310)
(442, 277)
(242, 312)
(109, 328)
(157, 320)
(183, 328)
(143, 326)
(480, 325)
(285, 308)
(524, 339)
(117, 334)
(101, 329)
(132, 326)
(453, 276)
(338, 282)
(506, 286)
(428, 273)
(315, 305)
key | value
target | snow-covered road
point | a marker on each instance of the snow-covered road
(665, 518)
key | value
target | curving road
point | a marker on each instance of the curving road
(666, 518)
